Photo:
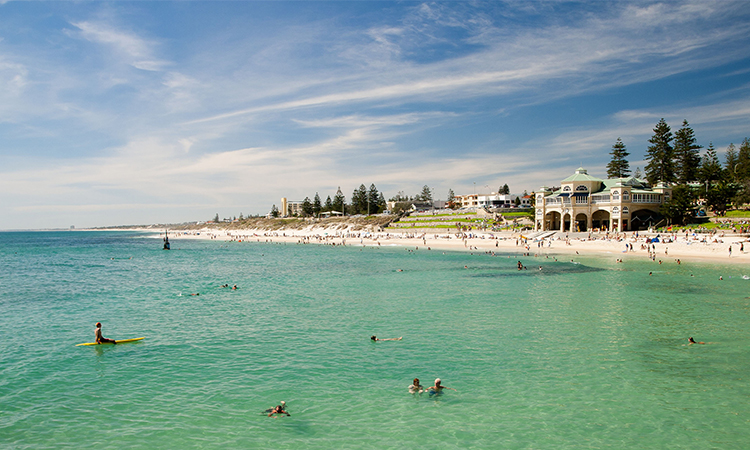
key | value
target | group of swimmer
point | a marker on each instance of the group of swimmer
(416, 388)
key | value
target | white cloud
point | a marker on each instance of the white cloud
(138, 52)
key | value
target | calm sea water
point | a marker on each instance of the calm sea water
(588, 355)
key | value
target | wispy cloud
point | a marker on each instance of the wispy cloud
(137, 51)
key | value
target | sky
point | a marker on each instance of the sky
(122, 113)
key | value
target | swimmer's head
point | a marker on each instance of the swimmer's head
(98, 324)
(373, 338)
(437, 382)
(416, 382)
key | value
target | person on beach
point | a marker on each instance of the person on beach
(278, 409)
(438, 388)
(692, 341)
(375, 339)
(99, 338)
(416, 388)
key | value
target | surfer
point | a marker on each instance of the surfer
(375, 339)
(437, 388)
(279, 409)
(99, 338)
(416, 387)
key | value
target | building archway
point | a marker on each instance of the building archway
(581, 221)
(566, 222)
(643, 219)
(552, 221)
(600, 219)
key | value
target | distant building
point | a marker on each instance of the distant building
(290, 208)
(583, 202)
(415, 205)
(493, 200)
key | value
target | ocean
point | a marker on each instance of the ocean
(581, 354)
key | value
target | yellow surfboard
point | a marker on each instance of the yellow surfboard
(109, 343)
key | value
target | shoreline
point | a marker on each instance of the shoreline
(671, 247)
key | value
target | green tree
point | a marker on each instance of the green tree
(504, 190)
(743, 162)
(660, 155)
(680, 207)
(517, 201)
(451, 196)
(618, 166)
(274, 211)
(339, 201)
(373, 204)
(307, 207)
(710, 171)
(359, 200)
(328, 206)
(719, 196)
(686, 154)
(730, 164)
(425, 195)
(637, 173)
(382, 205)
(216, 218)
(317, 206)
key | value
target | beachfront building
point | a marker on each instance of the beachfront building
(584, 203)
(290, 208)
(493, 200)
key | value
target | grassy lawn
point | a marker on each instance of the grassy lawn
(738, 214)
(442, 221)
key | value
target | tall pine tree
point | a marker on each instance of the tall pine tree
(373, 206)
(317, 206)
(338, 201)
(710, 171)
(359, 200)
(660, 155)
(730, 164)
(686, 154)
(618, 166)
(743, 161)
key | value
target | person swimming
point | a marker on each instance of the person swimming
(438, 388)
(416, 388)
(692, 341)
(278, 409)
(375, 339)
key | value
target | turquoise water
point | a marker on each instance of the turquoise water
(588, 355)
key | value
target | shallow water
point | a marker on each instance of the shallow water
(589, 355)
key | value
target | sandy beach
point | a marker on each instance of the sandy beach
(669, 248)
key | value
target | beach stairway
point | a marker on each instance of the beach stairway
(541, 235)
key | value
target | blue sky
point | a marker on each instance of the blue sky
(152, 112)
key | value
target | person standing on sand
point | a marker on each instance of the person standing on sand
(99, 338)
